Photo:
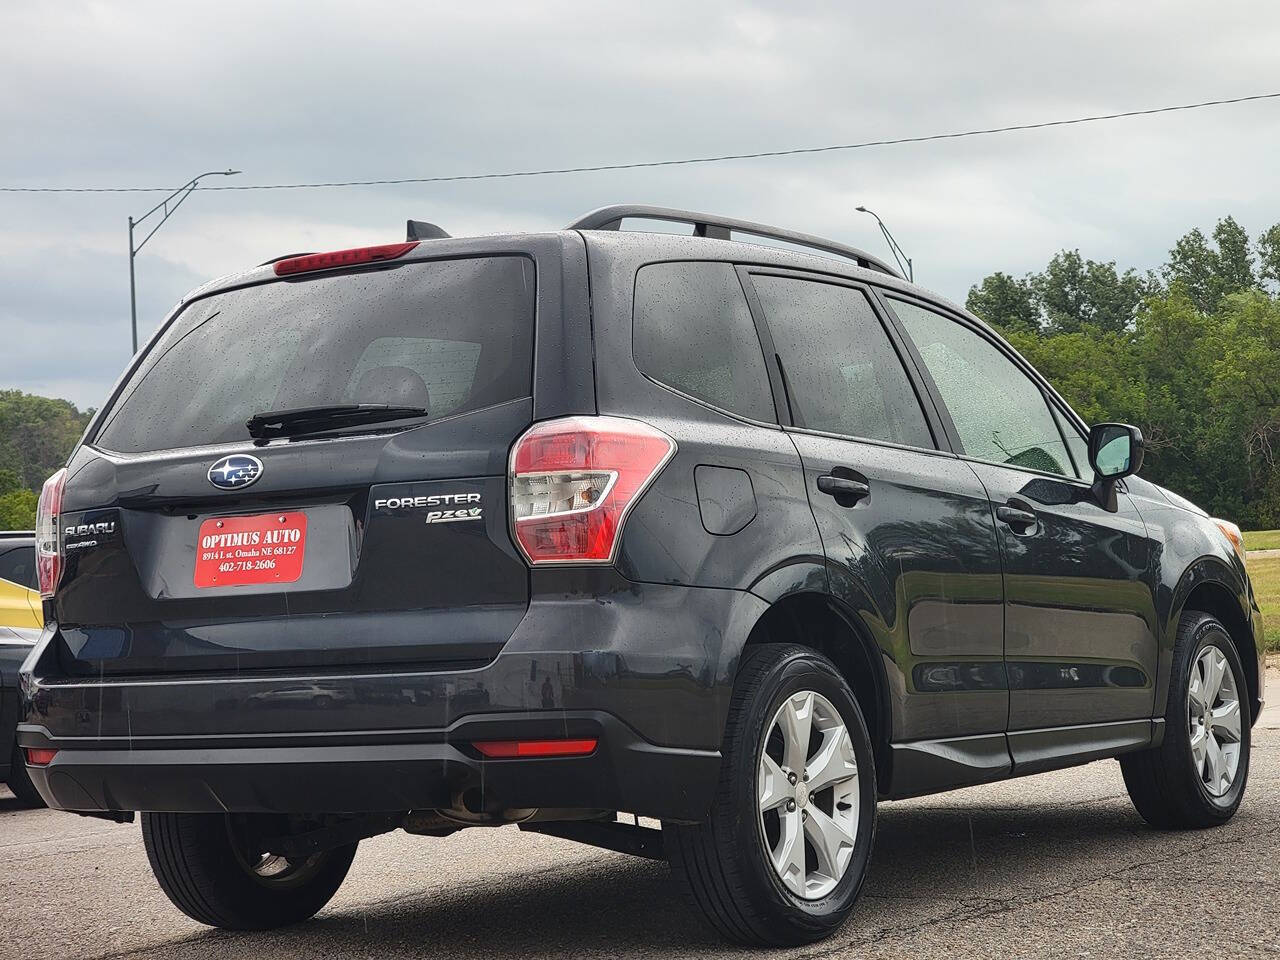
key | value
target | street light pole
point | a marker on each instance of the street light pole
(899, 254)
(169, 205)
(133, 290)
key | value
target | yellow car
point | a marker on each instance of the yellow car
(19, 597)
(20, 622)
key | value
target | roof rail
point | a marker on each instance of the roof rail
(723, 228)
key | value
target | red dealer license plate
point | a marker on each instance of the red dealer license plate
(267, 548)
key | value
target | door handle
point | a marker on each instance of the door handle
(846, 490)
(1022, 521)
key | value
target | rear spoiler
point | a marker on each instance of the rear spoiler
(414, 230)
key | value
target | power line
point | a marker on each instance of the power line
(686, 161)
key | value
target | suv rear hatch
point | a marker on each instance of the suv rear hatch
(355, 535)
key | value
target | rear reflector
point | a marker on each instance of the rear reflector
(40, 756)
(512, 749)
(342, 258)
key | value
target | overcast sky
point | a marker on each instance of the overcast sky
(145, 94)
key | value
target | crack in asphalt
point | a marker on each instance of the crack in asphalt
(987, 907)
(1015, 807)
(964, 909)
(363, 907)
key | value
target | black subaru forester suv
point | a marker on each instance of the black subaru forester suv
(736, 530)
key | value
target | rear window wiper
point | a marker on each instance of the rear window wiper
(303, 420)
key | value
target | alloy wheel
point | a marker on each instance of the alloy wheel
(1213, 716)
(808, 795)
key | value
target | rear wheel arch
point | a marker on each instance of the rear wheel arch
(818, 622)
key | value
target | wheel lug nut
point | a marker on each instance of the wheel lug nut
(791, 806)
(792, 778)
(806, 776)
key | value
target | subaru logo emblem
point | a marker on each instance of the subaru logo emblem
(235, 471)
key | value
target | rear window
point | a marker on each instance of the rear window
(693, 331)
(450, 336)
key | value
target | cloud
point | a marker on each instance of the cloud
(150, 93)
(64, 319)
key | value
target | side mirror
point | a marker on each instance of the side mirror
(1115, 451)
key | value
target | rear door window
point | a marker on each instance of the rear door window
(693, 331)
(450, 336)
(843, 374)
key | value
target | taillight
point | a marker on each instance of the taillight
(48, 543)
(342, 258)
(574, 480)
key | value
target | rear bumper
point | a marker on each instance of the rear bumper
(645, 669)
(625, 772)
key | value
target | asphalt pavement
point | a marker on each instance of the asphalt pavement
(1057, 865)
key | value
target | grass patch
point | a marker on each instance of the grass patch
(1262, 540)
(1265, 575)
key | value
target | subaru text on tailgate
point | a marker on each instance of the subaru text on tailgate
(551, 529)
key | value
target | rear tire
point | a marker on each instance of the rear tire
(1192, 779)
(210, 867)
(20, 782)
(728, 862)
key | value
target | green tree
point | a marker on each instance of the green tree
(18, 510)
(37, 434)
(1073, 292)
(1244, 392)
(17, 504)
(1174, 348)
(1269, 255)
(1235, 257)
(1095, 371)
(1209, 273)
(1006, 303)
(1194, 360)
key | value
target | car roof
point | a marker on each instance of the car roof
(433, 249)
(653, 245)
